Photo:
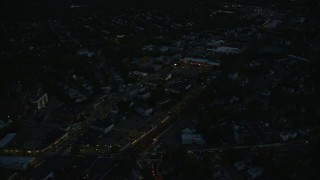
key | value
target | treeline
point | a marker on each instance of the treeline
(17, 8)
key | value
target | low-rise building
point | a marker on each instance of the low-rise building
(140, 74)
(40, 100)
(200, 61)
(188, 137)
(153, 82)
(152, 67)
(103, 126)
(192, 139)
(227, 50)
(16, 162)
(286, 136)
(3, 124)
(163, 103)
(255, 172)
(243, 133)
(267, 132)
(136, 91)
(86, 52)
(115, 110)
(144, 111)
(179, 87)
(144, 96)
(6, 140)
(240, 165)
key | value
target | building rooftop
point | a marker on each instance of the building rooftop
(201, 61)
(102, 123)
(15, 161)
(4, 141)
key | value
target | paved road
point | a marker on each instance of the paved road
(139, 146)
